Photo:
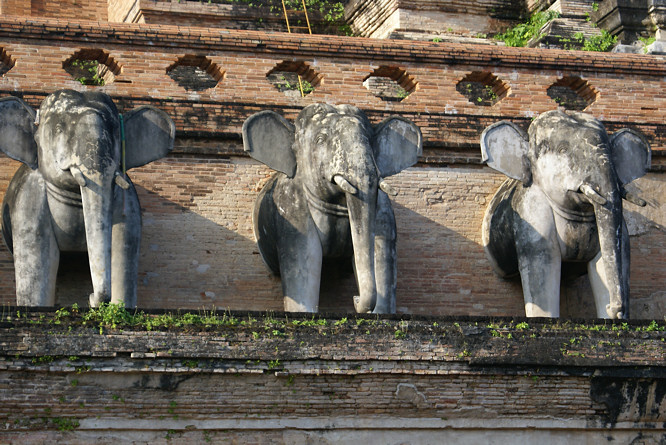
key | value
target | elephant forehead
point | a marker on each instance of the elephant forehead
(568, 136)
(319, 115)
(78, 122)
(72, 103)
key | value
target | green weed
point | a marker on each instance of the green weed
(521, 34)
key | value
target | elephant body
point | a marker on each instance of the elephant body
(503, 228)
(326, 200)
(561, 207)
(72, 195)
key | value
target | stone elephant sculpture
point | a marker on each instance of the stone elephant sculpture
(562, 203)
(72, 195)
(328, 199)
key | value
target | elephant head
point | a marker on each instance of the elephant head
(569, 177)
(79, 146)
(335, 161)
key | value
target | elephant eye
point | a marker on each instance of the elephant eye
(58, 128)
(321, 138)
(562, 148)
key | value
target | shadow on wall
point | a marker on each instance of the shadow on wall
(186, 261)
(443, 272)
(443, 269)
(194, 257)
(192, 253)
(647, 229)
(197, 248)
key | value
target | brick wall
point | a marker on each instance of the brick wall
(224, 14)
(255, 377)
(430, 18)
(71, 9)
(124, 11)
(64, 9)
(198, 249)
(15, 7)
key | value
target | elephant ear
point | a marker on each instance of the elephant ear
(631, 155)
(149, 135)
(17, 131)
(505, 147)
(268, 138)
(397, 145)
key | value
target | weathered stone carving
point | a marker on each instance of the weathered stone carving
(563, 203)
(71, 193)
(325, 199)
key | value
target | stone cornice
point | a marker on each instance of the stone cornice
(209, 39)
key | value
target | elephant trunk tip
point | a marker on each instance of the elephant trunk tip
(96, 300)
(615, 312)
(362, 307)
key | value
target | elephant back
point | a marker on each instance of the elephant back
(497, 231)
(263, 223)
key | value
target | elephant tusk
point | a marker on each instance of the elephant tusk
(633, 198)
(592, 194)
(121, 181)
(345, 185)
(78, 176)
(387, 188)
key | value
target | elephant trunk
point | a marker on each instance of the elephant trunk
(362, 207)
(97, 196)
(614, 250)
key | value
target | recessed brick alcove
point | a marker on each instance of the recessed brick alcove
(93, 67)
(301, 377)
(573, 93)
(195, 73)
(6, 62)
(390, 83)
(294, 78)
(483, 88)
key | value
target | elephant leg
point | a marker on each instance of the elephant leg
(601, 283)
(540, 276)
(36, 260)
(300, 257)
(126, 240)
(386, 267)
(36, 252)
(539, 259)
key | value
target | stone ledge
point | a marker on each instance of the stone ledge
(272, 377)
(250, 342)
